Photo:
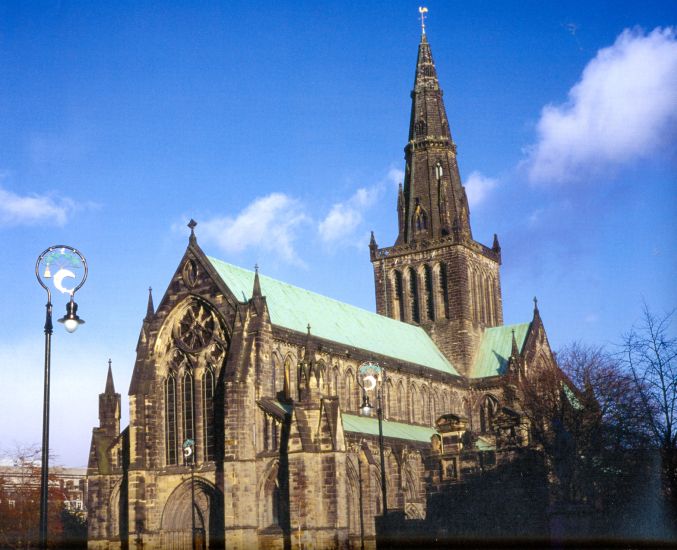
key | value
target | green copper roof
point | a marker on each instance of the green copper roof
(495, 348)
(294, 308)
(369, 426)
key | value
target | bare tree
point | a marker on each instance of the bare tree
(20, 500)
(650, 352)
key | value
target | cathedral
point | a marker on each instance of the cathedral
(248, 403)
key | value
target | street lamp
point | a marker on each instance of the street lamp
(189, 455)
(371, 376)
(56, 263)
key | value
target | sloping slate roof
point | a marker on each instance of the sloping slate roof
(369, 426)
(294, 308)
(495, 348)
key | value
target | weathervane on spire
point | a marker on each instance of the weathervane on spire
(422, 10)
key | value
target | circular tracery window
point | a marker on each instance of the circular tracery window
(195, 328)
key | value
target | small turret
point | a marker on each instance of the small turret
(373, 247)
(496, 247)
(256, 291)
(109, 406)
(150, 308)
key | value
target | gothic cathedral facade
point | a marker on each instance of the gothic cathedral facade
(264, 378)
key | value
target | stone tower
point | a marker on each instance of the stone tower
(436, 275)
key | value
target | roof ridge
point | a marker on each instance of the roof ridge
(293, 307)
(324, 296)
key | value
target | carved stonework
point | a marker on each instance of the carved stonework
(195, 328)
(189, 273)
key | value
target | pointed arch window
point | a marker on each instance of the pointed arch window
(208, 413)
(439, 172)
(188, 409)
(413, 296)
(444, 289)
(429, 298)
(420, 220)
(399, 295)
(170, 419)
(420, 128)
(488, 411)
(350, 390)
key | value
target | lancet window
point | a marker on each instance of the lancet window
(188, 407)
(399, 295)
(413, 296)
(443, 288)
(430, 299)
(488, 411)
(170, 418)
(208, 413)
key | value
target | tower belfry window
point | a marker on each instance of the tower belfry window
(420, 128)
(420, 220)
(413, 296)
(429, 297)
(438, 171)
(399, 295)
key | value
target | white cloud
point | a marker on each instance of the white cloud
(345, 217)
(33, 209)
(396, 176)
(623, 108)
(477, 187)
(269, 223)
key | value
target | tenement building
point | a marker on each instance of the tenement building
(266, 379)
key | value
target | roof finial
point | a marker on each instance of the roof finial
(192, 223)
(535, 305)
(422, 10)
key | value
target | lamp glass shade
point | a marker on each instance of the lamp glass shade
(365, 410)
(71, 321)
(71, 325)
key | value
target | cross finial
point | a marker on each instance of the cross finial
(535, 304)
(109, 363)
(422, 10)
(256, 268)
(192, 223)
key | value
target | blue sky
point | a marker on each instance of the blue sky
(280, 128)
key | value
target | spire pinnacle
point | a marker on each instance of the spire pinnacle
(150, 308)
(422, 10)
(110, 387)
(515, 350)
(256, 292)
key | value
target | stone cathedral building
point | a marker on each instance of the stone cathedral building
(262, 375)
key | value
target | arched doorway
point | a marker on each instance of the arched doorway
(177, 517)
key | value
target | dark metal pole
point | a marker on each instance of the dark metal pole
(380, 446)
(192, 497)
(44, 473)
(359, 475)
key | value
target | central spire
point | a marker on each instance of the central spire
(432, 204)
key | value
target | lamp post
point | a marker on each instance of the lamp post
(56, 263)
(189, 455)
(359, 477)
(371, 376)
